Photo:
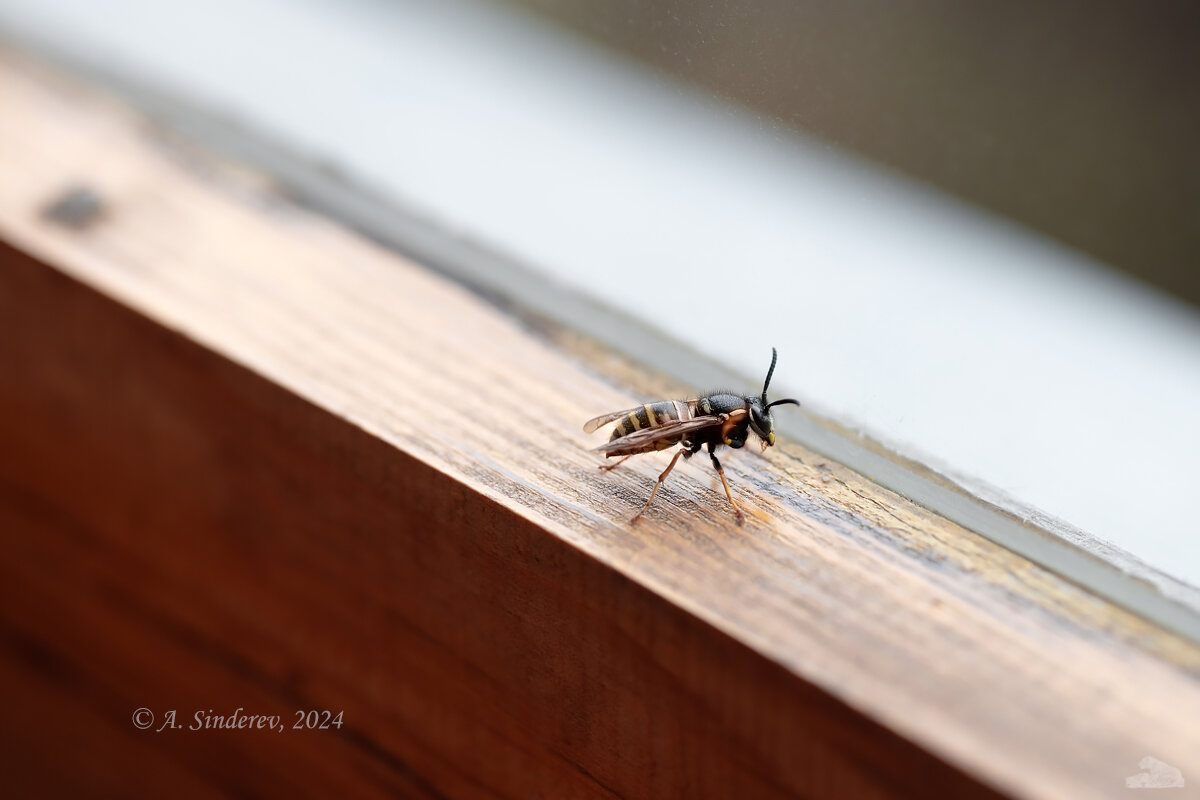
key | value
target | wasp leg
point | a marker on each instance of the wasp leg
(661, 478)
(721, 471)
(614, 465)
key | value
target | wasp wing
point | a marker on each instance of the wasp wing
(592, 424)
(636, 441)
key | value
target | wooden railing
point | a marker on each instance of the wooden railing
(254, 464)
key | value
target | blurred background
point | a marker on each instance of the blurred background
(1079, 120)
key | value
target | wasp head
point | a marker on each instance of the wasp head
(761, 420)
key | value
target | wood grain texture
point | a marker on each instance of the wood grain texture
(251, 460)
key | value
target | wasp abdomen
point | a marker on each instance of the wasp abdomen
(652, 415)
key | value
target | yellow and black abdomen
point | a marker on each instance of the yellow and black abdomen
(653, 415)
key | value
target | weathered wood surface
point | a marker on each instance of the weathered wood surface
(251, 460)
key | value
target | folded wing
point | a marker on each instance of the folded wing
(592, 424)
(640, 440)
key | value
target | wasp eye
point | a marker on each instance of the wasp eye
(764, 426)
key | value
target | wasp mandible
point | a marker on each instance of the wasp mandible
(716, 419)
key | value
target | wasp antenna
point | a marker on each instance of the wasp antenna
(788, 401)
(770, 372)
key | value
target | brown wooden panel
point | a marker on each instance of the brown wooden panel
(184, 534)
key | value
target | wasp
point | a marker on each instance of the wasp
(716, 419)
